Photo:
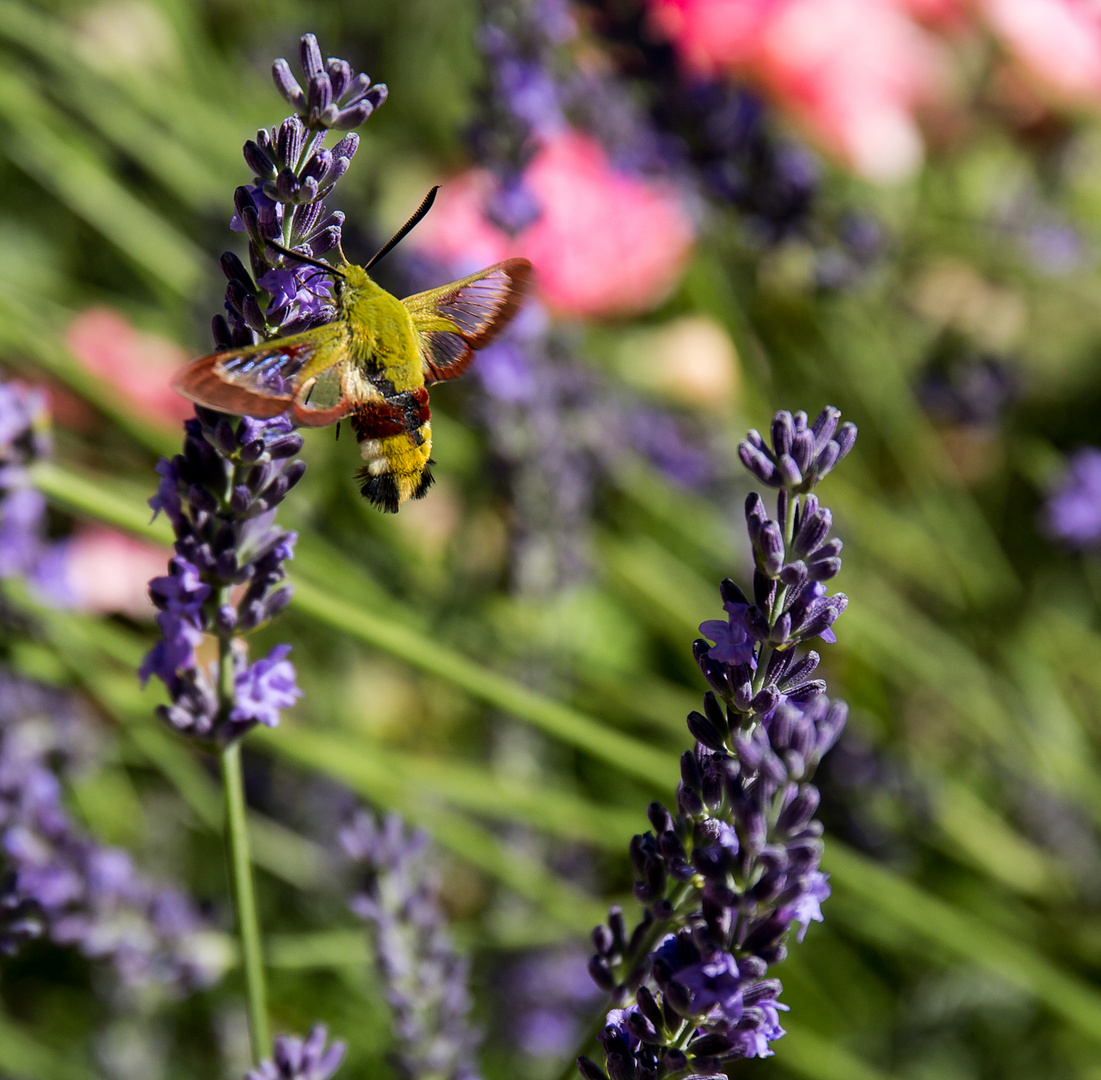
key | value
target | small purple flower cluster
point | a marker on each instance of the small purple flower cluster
(24, 439)
(724, 879)
(1073, 510)
(60, 883)
(425, 980)
(294, 172)
(300, 1059)
(226, 577)
(522, 100)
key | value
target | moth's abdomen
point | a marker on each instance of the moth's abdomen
(395, 440)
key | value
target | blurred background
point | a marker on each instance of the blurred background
(890, 206)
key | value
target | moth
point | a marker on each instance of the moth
(372, 364)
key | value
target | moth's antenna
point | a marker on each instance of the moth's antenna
(309, 260)
(406, 229)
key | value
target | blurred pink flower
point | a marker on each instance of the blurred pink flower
(851, 72)
(138, 365)
(1057, 42)
(103, 571)
(607, 243)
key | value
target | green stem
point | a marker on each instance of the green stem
(244, 899)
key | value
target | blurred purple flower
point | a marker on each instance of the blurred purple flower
(300, 1059)
(1073, 510)
(63, 884)
(423, 978)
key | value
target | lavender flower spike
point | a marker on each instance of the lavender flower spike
(724, 880)
(425, 980)
(25, 439)
(59, 882)
(293, 174)
(300, 1059)
(226, 577)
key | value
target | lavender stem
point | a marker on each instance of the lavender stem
(240, 875)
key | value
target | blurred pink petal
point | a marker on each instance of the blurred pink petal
(852, 72)
(711, 36)
(138, 365)
(1058, 42)
(607, 243)
(108, 572)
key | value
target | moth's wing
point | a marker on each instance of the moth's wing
(268, 379)
(454, 320)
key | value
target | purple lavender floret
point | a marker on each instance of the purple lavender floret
(293, 173)
(301, 1059)
(1073, 510)
(424, 979)
(220, 495)
(24, 439)
(60, 883)
(725, 879)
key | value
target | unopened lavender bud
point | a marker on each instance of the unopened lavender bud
(829, 455)
(259, 162)
(824, 569)
(705, 732)
(764, 590)
(601, 974)
(765, 701)
(845, 437)
(240, 499)
(252, 315)
(679, 997)
(781, 631)
(756, 515)
(688, 801)
(602, 940)
(590, 1070)
(813, 531)
(618, 927)
(803, 449)
(743, 696)
(759, 465)
(285, 446)
(825, 424)
(797, 814)
(287, 85)
(641, 1027)
(794, 573)
(649, 1007)
(730, 592)
(351, 117)
(807, 690)
(251, 452)
(234, 270)
(795, 764)
(770, 548)
(789, 471)
(783, 432)
(660, 818)
(674, 1060)
(829, 550)
(277, 601)
(310, 54)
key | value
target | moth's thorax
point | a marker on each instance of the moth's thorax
(382, 337)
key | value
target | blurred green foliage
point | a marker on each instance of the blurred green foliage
(529, 733)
